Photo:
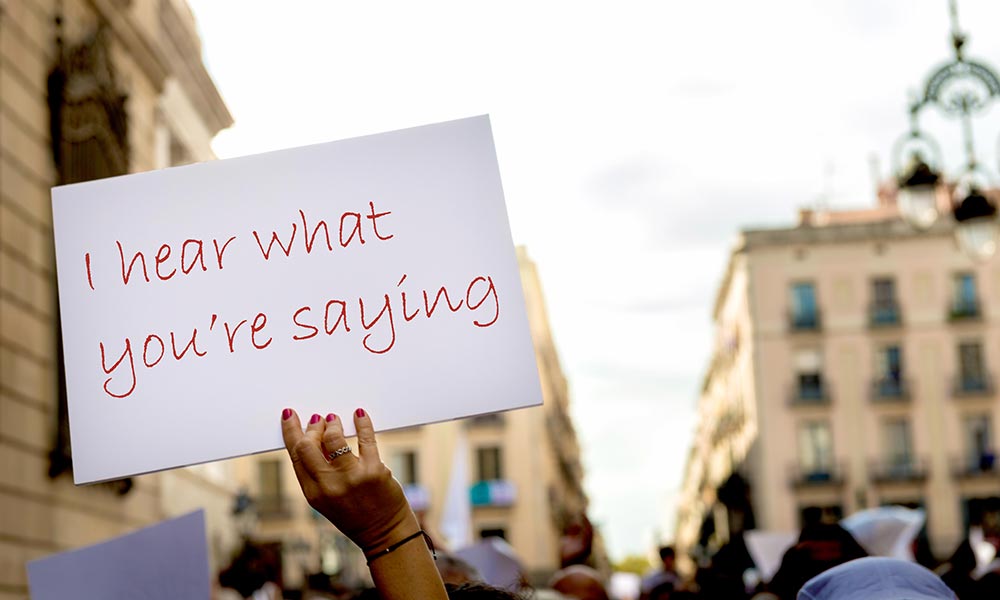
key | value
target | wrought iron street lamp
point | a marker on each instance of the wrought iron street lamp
(961, 88)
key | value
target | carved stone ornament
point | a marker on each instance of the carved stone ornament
(88, 118)
(89, 128)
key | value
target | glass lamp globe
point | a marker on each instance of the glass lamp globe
(976, 229)
(917, 196)
(977, 238)
(918, 205)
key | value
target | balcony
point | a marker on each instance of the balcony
(274, 507)
(816, 476)
(884, 314)
(975, 466)
(899, 470)
(804, 321)
(496, 492)
(973, 386)
(809, 394)
(964, 309)
(887, 390)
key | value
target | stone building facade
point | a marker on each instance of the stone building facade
(88, 89)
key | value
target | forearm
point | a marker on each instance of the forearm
(408, 572)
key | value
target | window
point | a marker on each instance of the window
(979, 442)
(885, 310)
(487, 420)
(499, 532)
(890, 363)
(965, 303)
(898, 445)
(269, 498)
(884, 291)
(490, 465)
(971, 372)
(808, 376)
(810, 387)
(816, 450)
(889, 372)
(270, 477)
(805, 313)
(404, 467)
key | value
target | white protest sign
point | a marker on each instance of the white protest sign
(199, 301)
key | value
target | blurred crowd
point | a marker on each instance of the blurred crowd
(873, 555)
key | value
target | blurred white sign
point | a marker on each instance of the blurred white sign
(165, 561)
(199, 301)
(767, 548)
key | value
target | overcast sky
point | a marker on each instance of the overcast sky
(635, 139)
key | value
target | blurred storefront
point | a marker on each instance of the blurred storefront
(88, 89)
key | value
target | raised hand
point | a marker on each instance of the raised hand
(356, 493)
(360, 497)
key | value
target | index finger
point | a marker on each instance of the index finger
(307, 458)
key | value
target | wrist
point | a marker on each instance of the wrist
(419, 535)
(401, 527)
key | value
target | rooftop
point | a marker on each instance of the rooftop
(879, 223)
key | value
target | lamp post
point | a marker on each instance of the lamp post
(962, 88)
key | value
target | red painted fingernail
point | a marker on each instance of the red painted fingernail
(330, 418)
(286, 414)
(360, 412)
(315, 419)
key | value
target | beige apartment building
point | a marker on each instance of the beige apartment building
(854, 366)
(523, 479)
(129, 93)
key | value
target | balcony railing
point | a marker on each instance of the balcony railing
(973, 385)
(805, 320)
(821, 475)
(898, 470)
(964, 309)
(890, 389)
(809, 394)
(274, 507)
(978, 465)
(884, 314)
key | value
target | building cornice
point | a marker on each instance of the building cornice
(147, 56)
(879, 231)
(183, 55)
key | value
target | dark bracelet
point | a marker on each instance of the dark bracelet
(421, 532)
